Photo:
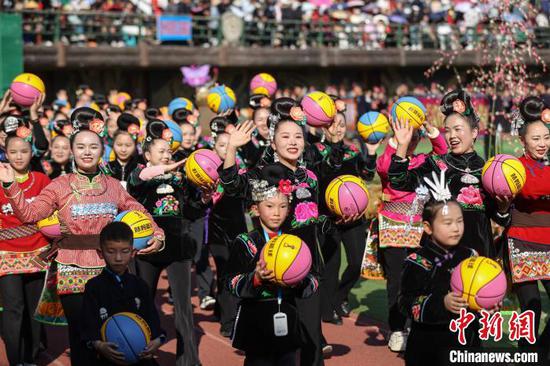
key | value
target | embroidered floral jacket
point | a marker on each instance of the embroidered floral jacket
(426, 280)
(477, 205)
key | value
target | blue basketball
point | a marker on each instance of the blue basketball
(141, 226)
(176, 134)
(411, 109)
(180, 103)
(129, 332)
(373, 127)
(221, 99)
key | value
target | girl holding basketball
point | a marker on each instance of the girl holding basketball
(86, 201)
(334, 293)
(529, 232)
(161, 189)
(462, 166)
(21, 277)
(287, 122)
(425, 295)
(400, 225)
(249, 280)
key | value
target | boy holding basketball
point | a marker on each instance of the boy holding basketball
(267, 327)
(113, 291)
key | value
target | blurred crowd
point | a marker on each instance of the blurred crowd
(412, 24)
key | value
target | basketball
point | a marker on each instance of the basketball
(480, 281)
(180, 103)
(319, 109)
(220, 99)
(347, 195)
(121, 99)
(140, 224)
(26, 88)
(176, 134)
(373, 127)
(503, 175)
(129, 332)
(409, 108)
(50, 226)
(288, 257)
(202, 166)
(263, 84)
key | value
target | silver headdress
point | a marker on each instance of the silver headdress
(517, 122)
(439, 190)
(262, 190)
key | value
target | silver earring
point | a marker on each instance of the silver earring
(323, 138)
(275, 157)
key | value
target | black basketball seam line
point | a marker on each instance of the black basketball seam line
(331, 189)
(276, 256)
(488, 297)
(126, 339)
(398, 106)
(472, 280)
(509, 165)
(493, 176)
(283, 274)
(351, 194)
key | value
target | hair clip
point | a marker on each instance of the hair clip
(98, 126)
(24, 132)
(545, 115)
(459, 106)
(11, 124)
(340, 105)
(439, 189)
(517, 121)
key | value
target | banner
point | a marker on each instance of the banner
(174, 28)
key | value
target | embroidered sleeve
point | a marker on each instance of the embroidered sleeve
(439, 144)
(241, 266)
(41, 207)
(416, 297)
(404, 179)
(235, 184)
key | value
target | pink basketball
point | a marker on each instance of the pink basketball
(319, 109)
(202, 166)
(288, 257)
(26, 88)
(503, 175)
(263, 83)
(50, 226)
(347, 195)
(480, 281)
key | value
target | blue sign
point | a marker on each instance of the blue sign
(174, 28)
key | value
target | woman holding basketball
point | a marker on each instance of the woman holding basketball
(162, 190)
(462, 166)
(287, 122)
(529, 232)
(400, 225)
(21, 276)
(334, 293)
(86, 201)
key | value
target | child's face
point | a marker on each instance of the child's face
(159, 153)
(188, 135)
(273, 211)
(124, 147)
(117, 255)
(446, 230)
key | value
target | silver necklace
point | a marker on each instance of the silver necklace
(467, 176)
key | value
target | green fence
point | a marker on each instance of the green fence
(124, 29)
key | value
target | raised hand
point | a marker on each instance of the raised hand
(7, 175)
(35, 107)
(402, 131)
(5, 103)
(373, 147)
(242, 134)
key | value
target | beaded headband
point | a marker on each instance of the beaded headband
(262, 190)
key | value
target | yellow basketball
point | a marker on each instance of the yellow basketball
(288, 257)
(141, 226)
(373, 126)
(411, 109)
(347, 195)
(480, 281)
(50, 226)
(221, 99)
(263, 83)
(503, 175)
(201, 167)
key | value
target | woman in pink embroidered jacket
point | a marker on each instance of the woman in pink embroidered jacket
(86, 201)
(400, 225)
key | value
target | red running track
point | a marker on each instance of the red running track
(359, 341)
